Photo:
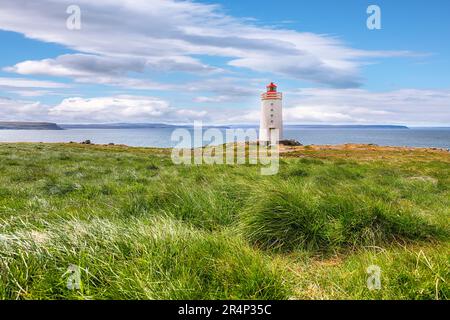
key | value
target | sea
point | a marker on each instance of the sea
(162, 136)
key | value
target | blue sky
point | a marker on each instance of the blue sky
(177, 61)
(419, 26)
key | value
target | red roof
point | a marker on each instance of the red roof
(272, 87)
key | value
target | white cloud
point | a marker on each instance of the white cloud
(118, 37)
(312, 105)
(31, 88)
(17, 110)
(121, 108)
(405, 106)
(15, 83)
(87, 68)
(326, 114)
(203, 99)
(353, 106)
(31, 92)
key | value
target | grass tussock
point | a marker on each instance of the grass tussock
(292, 216)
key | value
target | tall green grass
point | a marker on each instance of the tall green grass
(293, 216)
(406, 273)
(140, 227)
(158, 258)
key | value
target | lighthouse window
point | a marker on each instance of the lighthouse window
(271, 121)
(271, 110)
(271, 104)
(271, 115)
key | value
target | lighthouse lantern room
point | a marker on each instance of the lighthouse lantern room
(271, 121)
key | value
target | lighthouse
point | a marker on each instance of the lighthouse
(271, 115)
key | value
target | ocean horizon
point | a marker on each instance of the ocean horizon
(160, 136)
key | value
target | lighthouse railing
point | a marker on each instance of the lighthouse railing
(271, 95)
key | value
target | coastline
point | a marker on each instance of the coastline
(284, 149)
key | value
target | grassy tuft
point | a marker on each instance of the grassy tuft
(299, 216)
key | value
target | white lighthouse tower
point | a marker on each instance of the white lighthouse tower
(271, 115)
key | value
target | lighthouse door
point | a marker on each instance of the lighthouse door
(273, 136)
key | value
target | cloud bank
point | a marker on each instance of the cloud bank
(326, 106)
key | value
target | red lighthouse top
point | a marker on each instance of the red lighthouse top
(272, 87)
(271, 93)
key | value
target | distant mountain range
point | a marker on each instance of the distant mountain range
(345, 126)
(118, 126)
(53, 126)
(19, 125)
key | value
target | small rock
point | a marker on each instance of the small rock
(290, 142)
(86, 142)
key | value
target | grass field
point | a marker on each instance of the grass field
(140, 227)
